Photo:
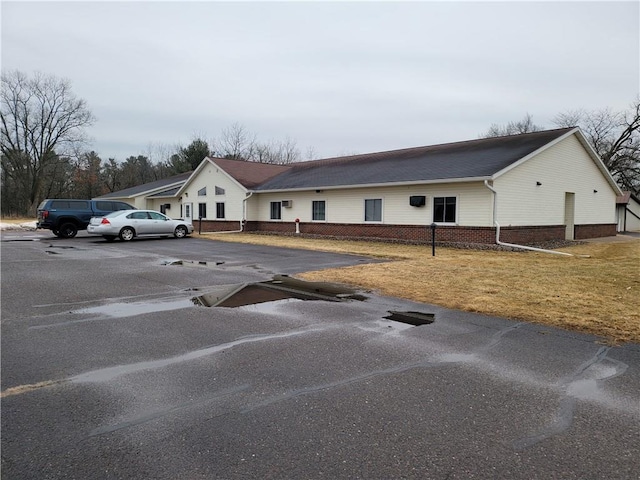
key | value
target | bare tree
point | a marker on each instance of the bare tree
(42, 120)
(236, 142)
(277, 152)
(615, 136)
(525, 125)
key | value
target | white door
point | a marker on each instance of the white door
(188, 212)
(569, 215)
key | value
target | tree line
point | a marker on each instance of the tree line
(44, 146)
(44, 154)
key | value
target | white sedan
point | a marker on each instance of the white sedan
(128, 224)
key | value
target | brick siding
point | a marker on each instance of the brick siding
(216, 226)
(595, 231)
(418, 233)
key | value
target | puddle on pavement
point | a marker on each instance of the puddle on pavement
(264, 297)
(121, 310)
(282, 287)
(411, 318)
(191, 263)
(7, 240)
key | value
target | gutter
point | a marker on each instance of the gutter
(513, 245)
(244, 216)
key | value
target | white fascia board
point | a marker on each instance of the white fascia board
(598, 161)
(158, 189)
(533, 154)
(240, 186)
(201, 167)
(203, 163)
(378, 185)
(161, 196)
(585, 143)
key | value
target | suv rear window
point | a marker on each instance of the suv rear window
(69, 205)
(108, 206)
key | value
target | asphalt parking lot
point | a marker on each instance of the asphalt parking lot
(111, 371)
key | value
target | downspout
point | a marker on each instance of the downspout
(513, 245)
(244, 215)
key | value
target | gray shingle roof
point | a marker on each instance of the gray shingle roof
(149, 187)
(471, 159)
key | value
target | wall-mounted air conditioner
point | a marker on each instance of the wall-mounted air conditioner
(287, 203)
(417, 200)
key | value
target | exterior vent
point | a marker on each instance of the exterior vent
(287, 203)
(417, 200)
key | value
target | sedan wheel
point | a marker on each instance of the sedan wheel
(127, 234)
(180, 231)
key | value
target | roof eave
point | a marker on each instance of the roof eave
(201, 167)
(377, 185)
(587, 146)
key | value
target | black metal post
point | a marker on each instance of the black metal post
(199, 225)
(433, 239)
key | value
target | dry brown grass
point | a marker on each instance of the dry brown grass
(597, 295)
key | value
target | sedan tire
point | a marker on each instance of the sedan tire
(127, 234)
(180, 231)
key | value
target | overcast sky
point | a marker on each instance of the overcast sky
(339, 77)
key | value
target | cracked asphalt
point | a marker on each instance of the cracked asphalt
(110, 371)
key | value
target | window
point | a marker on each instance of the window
(202, 210)
(318, 210)
(219, 191)
(219, 210)
(373, 210)
(202, 192)
(444, 209)
(157, 216)
(105, 206)
(70, 205)
(138, 216)
(276, 211)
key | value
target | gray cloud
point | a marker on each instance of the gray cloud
(340, 77)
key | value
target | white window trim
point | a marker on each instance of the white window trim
(275, 219)
(225, 211)
(206, 207)
(433, 204)
(364, 210)
(325, 210)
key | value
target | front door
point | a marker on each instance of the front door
(188, 212)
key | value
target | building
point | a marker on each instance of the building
(521, 189)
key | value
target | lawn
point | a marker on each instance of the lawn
(598, 295)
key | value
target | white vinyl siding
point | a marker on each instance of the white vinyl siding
(563, 168)
(474, 205)
(215, 179)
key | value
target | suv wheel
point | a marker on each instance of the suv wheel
(68, 230)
